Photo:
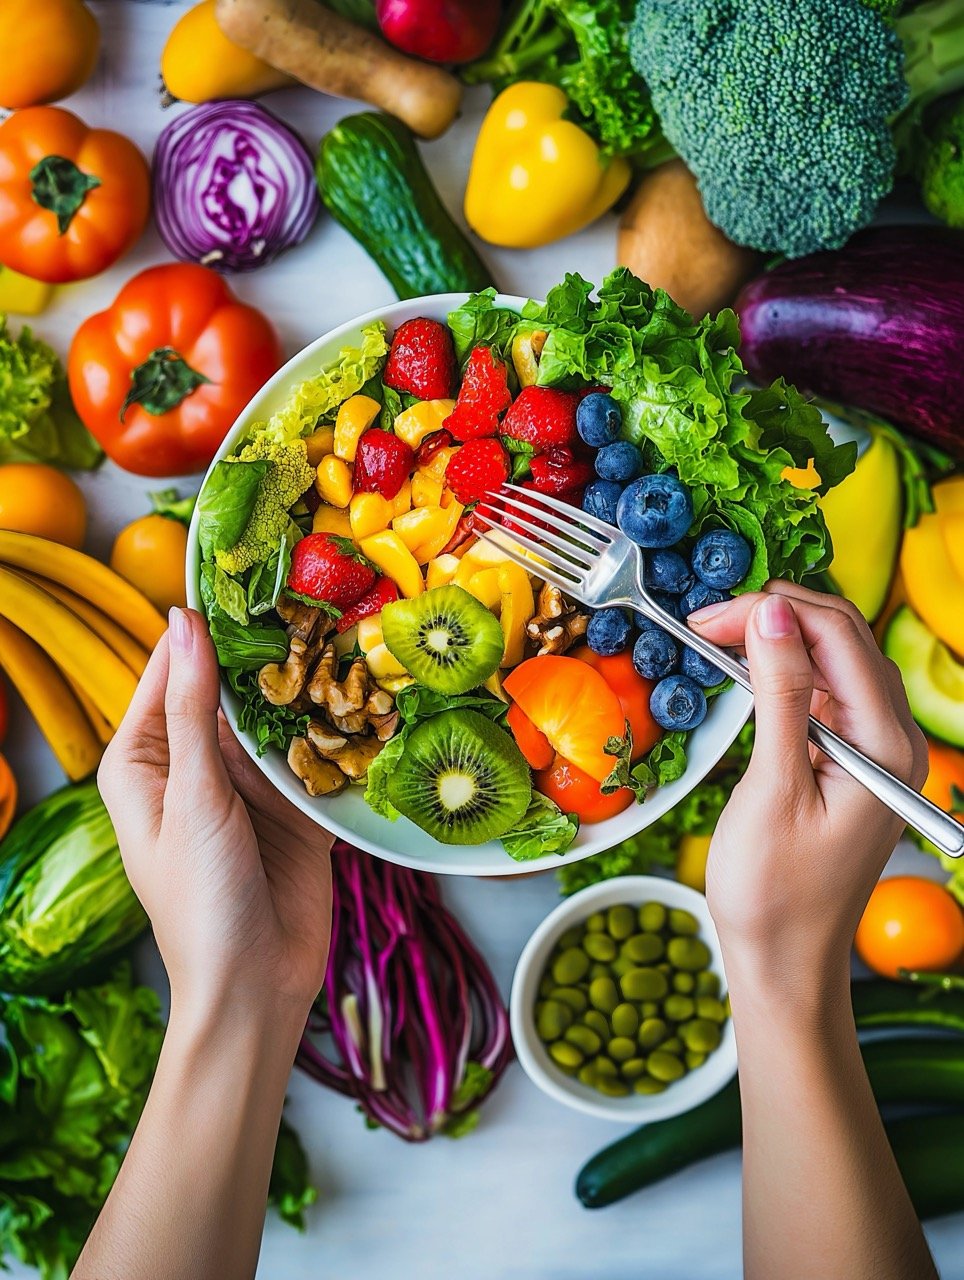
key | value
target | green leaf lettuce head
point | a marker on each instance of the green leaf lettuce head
(272, 726)
(38, 422)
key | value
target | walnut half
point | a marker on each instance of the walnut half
(321, 777)
(557, 623)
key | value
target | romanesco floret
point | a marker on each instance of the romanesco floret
(779, 108)
(940, 161)
(289, 475)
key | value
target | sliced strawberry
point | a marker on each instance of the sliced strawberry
(542, 417)
(430, 446)
(483, 396)
(329, 570)
(559, 471)
(383, 592)
(466, 528)
(382, 463)
(421, 360)
(478, 468)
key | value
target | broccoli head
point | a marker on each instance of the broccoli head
(779, 108)
(940, 164)
(286, 479)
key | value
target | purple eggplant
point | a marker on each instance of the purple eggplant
(410, 1022)
(876, 325)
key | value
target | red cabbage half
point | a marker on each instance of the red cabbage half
(410, 1022)
(234, 186)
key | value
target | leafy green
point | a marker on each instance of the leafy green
(229, 595)
(521, 453)
(38, 422)
(165, 502)
(239, 645)
(290, 1190)
(464, 1118)
(479, 322)
(543, 829)
(267, 579)
(226, 502)
(272, 726)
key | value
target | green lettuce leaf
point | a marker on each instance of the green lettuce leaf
(226, 502)
(543, 829)
(239, 645)
(165, 502)
(272, 726)
(479, 322)
(268, 578)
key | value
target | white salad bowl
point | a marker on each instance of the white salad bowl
(347, 815)
(682, 1095)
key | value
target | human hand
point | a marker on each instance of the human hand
(235, 880)
(800, 844)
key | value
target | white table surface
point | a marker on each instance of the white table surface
(497, 1205)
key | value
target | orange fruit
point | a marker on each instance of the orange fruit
(575, 792)
(910, 923)
(631, 689)
(945, 774)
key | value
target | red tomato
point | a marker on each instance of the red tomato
(633, 692)
(576, 792)
(532, 742)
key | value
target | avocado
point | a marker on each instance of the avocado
(933, 677)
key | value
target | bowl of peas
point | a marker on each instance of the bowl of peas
(618, 1004)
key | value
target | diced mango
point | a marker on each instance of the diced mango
(370, 513)
(439, 461)
(333, 481)
(517, 607)
(480, 555)
(421, 420)
(319, 443)
(494, 686)
(383, 664)
(418, 525)
(426, 490)
(369, 632)
(402, 501)
(355, 416)
(441, 570)
(441, 533)
(394, 684)
(331, 520)
(390, 554)
(484, 585)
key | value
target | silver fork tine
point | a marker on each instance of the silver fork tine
(570, 527)
(605, 531)
(546, 571)
(579, 555)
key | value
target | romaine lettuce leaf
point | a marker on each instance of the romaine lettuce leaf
(543, 829)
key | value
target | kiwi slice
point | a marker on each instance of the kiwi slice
(461, 778)
(445, 638)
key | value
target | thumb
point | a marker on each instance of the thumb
(191, 701)
(782, 680)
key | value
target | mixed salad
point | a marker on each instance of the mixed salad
(376, 639)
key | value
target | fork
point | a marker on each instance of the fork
(596, 564)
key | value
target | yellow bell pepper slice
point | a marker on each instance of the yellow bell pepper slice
(23, 295)
(536, 177)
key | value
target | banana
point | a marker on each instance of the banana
(101, 728)
(105, 589)
(115, 637)
(80, 654)
(50, 701)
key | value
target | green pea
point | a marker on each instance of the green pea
(643, 948)
(546, 986)
(570, 938)
(643, 984)
(597, 970)
(652, 917)
(700, 1035)
(683, 922)
(584, 1038)
(707, 983)
(570, 966)
(625, 1019)
(565, 1055)
(684, 983)
(612, 1088)
(552, 1020)
(603, 994)
(664, 1066)
(587, 1075)
(690, 954)
(664, 966)
(633, 1068)
(678, 1008)
(597, 1022)
(600, 946)
(673, 1045)
(621, 922)
(652, 1032)
(693, 1060)
(621, 1048)
(649, 1009)
(646, 1084)
(605, 1066)
(708, 1007)
(596, 923)
(620, 966)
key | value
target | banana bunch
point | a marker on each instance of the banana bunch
(74, 640)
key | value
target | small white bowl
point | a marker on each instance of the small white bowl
(682, 1095)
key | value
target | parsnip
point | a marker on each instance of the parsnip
(331, 54)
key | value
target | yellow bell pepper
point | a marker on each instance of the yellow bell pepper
(931, 564)
(536, 177)
(23, 295)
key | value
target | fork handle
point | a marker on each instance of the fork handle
(933, 823)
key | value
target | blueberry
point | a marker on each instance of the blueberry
(678, 703)
(598, 419)
(600, 499)
(620, 461)
(655, 654)
(721, 558)
(655, 511)
(667, 571)
(697, 667)
(665, 601)
(609, 632)
(699, 596)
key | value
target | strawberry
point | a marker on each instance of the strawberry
(559, 472)
(382, 463)
(479, 467)
(421, 360)
(542, 417)
(328, 570)
(483, 396)
(430, 446)
(383, 592)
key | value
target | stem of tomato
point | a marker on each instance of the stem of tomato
(58, 185)
(161, 382)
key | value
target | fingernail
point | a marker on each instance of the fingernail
(182, 636)
(708, 611)
(775, 619)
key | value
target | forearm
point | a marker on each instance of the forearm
(189, 1201)
(822, 1195)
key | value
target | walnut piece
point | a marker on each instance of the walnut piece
(302, 620)
(344, 700)
(321, 777)
(281, 682)
(351, 755)
(557, 623)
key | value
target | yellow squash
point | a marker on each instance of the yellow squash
(932, 564)
(199, 62)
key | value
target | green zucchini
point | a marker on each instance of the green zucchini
(881, 1003)
(904, 1070)
(372, 180)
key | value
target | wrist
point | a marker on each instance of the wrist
(245, 1020)
(789, 992)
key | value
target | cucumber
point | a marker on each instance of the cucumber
(933, 677)
(905, 1070)
(373, 181)
(881, 1003)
